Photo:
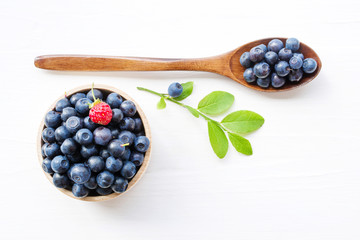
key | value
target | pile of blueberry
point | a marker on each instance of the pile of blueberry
(272, 64)
(88, 158)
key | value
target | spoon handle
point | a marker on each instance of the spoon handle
(215, 64)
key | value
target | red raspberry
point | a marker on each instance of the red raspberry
(100, 113)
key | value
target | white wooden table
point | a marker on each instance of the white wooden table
(303, 181)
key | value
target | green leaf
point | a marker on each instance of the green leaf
(218, 140)
(161, 104)
(193, 111)
(242, 145)
(242, 121)
(187, 90)
(216, 103)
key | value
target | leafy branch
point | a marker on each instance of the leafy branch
(216, 103)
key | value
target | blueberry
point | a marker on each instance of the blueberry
(293, 44)
(52, 119)
(114, 100)
(103, 191)
(282, 68)
(104, 154)
(271, 57)
(263, 47)
(105, 179)
(73, 124)
(262, 70)
(113, 164)
(126, 155)
(79, 190)
(82, 106)
(277, 81)
(257, 54)
(296, 62)
(51, 150)
(245, 60)
(249, 75)
(75, 158)
(102, 136)
(137, 158)
(98, 95)
(60, 164)
(96, 163)
(117, 116)
(263, 82)
(175, 89)
(61, 104)
(127, 137)
(285, 54)
(84, 136)
(300, 55)
(46, 166)
(43, 149)
(120, 185)
(48, 135)
(88, 151)
(128, 170)
(309, 65)
(115, 148)
(67, 112)
(89, 124)
(74, 98)
(141, 144)
(128, 108)
(127, 124)
(295, 75)
(79, 173)
(61, 180)
(69, 146)
(115, 132)
(275, 45)
(91, 184)
(138, 125)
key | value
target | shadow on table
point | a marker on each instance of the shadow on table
(310, 88)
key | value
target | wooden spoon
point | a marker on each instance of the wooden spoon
(227, 64)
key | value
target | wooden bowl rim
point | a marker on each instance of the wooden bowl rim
(146, 125)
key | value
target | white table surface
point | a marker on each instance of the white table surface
(303, 180)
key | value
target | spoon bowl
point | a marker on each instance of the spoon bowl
(227, 64)
(237, 70)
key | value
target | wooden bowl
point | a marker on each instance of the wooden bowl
(105, 89)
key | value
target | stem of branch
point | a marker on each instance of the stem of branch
(180, 104)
